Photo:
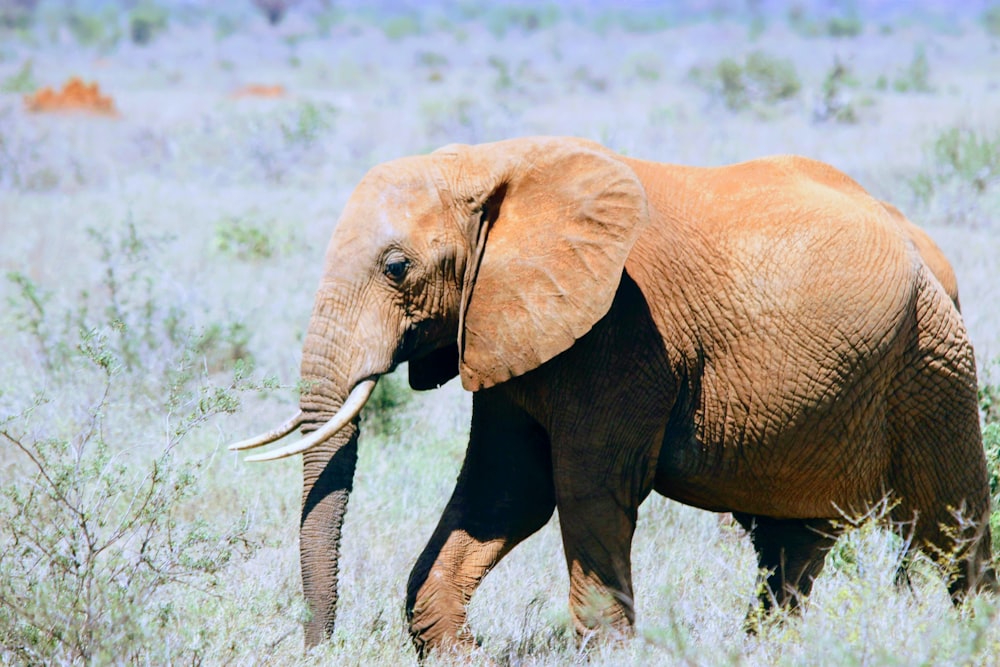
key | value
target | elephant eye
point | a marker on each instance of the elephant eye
(395, 269)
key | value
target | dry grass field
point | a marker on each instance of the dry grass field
(158, 262)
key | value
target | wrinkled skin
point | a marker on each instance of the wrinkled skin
(930, 252)
(763, 338)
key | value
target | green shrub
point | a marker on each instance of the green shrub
(991, 20)
(17, 14)
(126, 314)
(632, 21)
(969, 156)
(836, 103)
(801, 23)
(273, 10)
(401, 26)
(959, 156)
(307, 123)
(989, 403)
(648, 71)
(847, 25)
(100, 557)
(991, 443)
(146, 21)
(226, 25)
(21, 82)
(915, 77)
(93, 535)
(382, 414)
(432, 59)
(99, 30)
(244, 240)
(504, 80)
(503, 18)
(761, 80)
(844, 26)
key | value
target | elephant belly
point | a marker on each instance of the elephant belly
(831, 461)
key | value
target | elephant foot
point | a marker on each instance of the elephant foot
(426, 641)
(602, 619)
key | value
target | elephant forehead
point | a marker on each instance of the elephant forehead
(382, 208)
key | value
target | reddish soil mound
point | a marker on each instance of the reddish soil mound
(257, 90)
(75, 96)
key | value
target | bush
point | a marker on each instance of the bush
(273, 10)
(633, 20)
(915, 78)
(126, 317)
(308, 122)
(21, 82)
(968, 156)
(382, 414)
(848, 25)
(499, 20)
(99, 30)
(244, 240)
(991, 20)
(844, 26)
(17, 14)
(401, 26)
(146, 21)
(99, 554)
(836, 103)
(762, 80)
(991, 443)
(93, 535)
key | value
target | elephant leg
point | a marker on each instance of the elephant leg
(955, 533)
(597, 530)
(504, 494)
(939, 472)
(791, 552)
(598, 491)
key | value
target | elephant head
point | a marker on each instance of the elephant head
(484, 261)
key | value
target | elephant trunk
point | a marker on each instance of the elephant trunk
(327, 479)
(328, 468)
(340, 374)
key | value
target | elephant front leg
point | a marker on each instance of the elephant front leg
(597, 538)
(503, 494)
(601, 479)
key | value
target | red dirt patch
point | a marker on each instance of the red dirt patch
(75, 96)
(257, 90)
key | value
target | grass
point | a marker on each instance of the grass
(157, 272)
(961, 172)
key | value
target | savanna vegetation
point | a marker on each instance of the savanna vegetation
(158, 263)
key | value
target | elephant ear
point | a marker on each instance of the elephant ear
(556, 227)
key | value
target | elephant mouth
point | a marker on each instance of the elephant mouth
(352, 406)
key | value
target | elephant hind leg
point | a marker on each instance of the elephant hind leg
(791, 552)
(957, 538)
(938, 471)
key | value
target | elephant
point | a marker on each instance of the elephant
(930, 252)
(763, 338)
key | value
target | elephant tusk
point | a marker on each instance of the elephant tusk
(275, 433)
(348, 411)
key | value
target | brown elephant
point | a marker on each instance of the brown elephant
(761, 338)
